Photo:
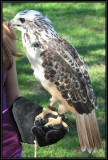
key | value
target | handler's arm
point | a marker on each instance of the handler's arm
(11, 85)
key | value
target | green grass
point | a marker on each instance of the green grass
(83, 25)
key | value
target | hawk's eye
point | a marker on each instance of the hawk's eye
(22, 20)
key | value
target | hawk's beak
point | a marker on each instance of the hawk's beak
(9, 24)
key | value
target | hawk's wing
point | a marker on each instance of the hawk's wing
(67, 71)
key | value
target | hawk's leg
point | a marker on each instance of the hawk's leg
(52, 102)
(45, 112)
(62, 109)
(50, 109)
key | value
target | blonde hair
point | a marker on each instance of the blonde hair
(8, 46)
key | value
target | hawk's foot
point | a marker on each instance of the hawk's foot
(58, 120)
(53, 121)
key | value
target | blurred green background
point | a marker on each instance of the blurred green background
(82, 25)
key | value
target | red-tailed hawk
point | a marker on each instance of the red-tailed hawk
(62, 72)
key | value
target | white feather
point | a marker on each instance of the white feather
(33, 54)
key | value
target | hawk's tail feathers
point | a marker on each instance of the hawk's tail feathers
(88, 131)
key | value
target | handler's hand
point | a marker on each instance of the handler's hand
(49, 127)
(36, 122)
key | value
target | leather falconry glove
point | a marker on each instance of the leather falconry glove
(37, 123)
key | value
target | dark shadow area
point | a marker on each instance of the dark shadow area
(38, 98)
(70, 10)
(98, 88)
(84, 50)
(23, 66)
(97, 62)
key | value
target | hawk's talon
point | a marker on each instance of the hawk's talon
(64, 118)
(44, 121)
(52, 108)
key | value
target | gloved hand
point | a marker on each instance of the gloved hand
(35, 122)
(49, 127)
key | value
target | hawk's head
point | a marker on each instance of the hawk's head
(29, 19)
